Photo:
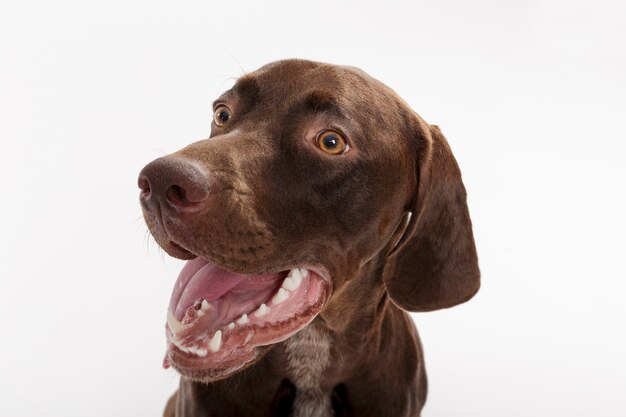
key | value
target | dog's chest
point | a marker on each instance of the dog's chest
(308, 358)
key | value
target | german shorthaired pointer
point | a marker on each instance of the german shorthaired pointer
(318, 212)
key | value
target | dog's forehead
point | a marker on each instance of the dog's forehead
(286, 83)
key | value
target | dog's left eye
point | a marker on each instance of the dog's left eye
(221, 116)
(332, 142)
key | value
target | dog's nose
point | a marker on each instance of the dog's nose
(173, 183)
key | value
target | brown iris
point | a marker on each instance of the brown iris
(331, 142)
(221, 116)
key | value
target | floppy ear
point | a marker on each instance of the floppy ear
(435, 264)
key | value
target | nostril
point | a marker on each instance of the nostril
(185, 197)
(177, 195)
(144, 185)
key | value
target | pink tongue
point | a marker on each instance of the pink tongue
(200, 279)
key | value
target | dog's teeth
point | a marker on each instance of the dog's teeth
(173, 323)
(201, 352)
(295, 273)
(243, 319)
(205, 305)
(200, 313)
(216, 341)
(293, 280)
(262, 310)
(280, 296)
(231, 326)
(289, 284)
(297, 276)
(179, 344)
(304, 272)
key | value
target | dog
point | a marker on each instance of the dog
(319, 212)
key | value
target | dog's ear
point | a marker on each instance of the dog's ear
(435, 265)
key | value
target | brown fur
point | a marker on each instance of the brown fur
(277, 201)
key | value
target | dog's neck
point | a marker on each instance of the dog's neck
(308, 357)
(310, 353)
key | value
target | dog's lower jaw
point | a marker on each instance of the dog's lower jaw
(383, 378)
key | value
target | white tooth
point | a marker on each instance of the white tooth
(193, 349)
(173, 323)
(205, 305)
(231, 326)
(200, 313)
(280, 296)
(292, 282)
(216, 341)
(289, 284)
(243, 319)
(295, 273)
(179, 345)
(304, 272)
(201, 352)
(262, 310)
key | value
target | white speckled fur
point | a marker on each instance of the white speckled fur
(308, 357)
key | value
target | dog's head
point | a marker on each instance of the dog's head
(314, 175)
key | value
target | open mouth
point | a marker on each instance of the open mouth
(218, 320)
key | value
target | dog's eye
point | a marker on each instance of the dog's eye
(331, 142)
(221, 115)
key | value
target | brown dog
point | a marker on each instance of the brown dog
(319, 211)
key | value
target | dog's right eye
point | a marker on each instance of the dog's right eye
(221, 115)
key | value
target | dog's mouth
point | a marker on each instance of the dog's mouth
(218, 321)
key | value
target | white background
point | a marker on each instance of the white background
(531, 95)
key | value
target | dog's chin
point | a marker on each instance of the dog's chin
(220, 322)
(188, 367)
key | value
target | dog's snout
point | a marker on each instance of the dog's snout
(173, 183)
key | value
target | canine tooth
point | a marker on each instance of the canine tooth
(205, 305)
(173, 323)
(243, 319)
(201, 352)
(280, 296)
(200, 313)
(304, 272)
(262, 310)
(193, 349)
(231, 326)
(216, 341)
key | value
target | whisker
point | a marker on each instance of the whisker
(243, 71)
(221, 87)
(159, 151)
